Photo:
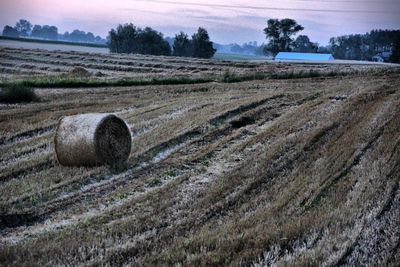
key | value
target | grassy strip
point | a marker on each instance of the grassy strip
(234, 78)
(51, 42)
(68, 82)
(230, 77)
(227, 77)
(310, 74)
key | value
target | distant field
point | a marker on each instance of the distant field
(19, 63)
(75, 47)
(51, 46)
(257, 164)
(237, 57)
(44, 41)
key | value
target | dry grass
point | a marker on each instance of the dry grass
(286, 172)
(79, 72)
(23, 63)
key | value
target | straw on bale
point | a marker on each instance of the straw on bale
(79, 72)
(92, 140)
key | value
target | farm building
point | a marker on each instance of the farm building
(382, 56)
(378, 58)
(302, 56)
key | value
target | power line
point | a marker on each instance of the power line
(344, 1)
(269, 8)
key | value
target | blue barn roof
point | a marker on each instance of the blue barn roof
(302, 56)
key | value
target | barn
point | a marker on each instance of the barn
(302, 56)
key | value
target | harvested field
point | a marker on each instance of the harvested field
(25, 63)
(285, 171)
(51, 46)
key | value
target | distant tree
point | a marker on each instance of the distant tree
(303, 44)
(279, 33)
(130, 39)
(10, 31)
(113, 42)
(348, 47)
(151, 42)
(90, 37)
(356, 47)
(182, 46)
(201, 44)
(237, 49)
(49, 32)
(99, 40)
(37, 31)
(324, 49)
(249, 48)
(122, 40)
(259, 51)
(82, 37)
(65, 36)
(24, 27)
(365, 46)
(78, 36)
(395, 57)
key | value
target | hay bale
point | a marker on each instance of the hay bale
(92, 140)
(79, 72)
(99, 74)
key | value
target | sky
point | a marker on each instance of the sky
(235, 21)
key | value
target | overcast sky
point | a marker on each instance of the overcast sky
(227, 21)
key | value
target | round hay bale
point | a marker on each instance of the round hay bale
(99, 74)
(79, 72)
(92, 140)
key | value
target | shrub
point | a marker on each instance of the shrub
(15, 93)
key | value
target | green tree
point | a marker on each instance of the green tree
(24, 27)
(122, 40)
(279, 35)
(37, 31)
(365, 46)
(182, 45)
(49, 32)
(130, 39)
(10, 31)
(201, 44)
(395, 57)
(151, 42)
(45, 32)
(303, 44)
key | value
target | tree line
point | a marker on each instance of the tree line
(301, 44)
(365, 46)
(280, 37)
(128, 38)
(250, 48)
(23, 28)
(125, 38)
